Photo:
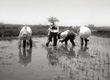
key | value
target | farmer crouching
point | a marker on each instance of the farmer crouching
(52, 34)
(66, 35)
(84, 33)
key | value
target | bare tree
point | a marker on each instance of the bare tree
(53, 20)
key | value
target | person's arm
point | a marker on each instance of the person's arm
(49, 29)
(78, 31)
(57, 28)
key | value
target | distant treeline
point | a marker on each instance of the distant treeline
(12, 30)
(100, 31)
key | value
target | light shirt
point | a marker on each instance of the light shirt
(53, 29)
(84, 32)
(64, 34)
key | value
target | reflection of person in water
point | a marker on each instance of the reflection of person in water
(25, 56)
(52, 56)
(70, 53)
(83, 52)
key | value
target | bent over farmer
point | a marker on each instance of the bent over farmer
(52, 34)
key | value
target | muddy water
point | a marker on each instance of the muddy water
(55, 63)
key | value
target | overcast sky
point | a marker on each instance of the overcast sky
(69, 12)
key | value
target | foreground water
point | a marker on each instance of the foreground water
(55, 63)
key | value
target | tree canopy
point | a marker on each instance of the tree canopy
(53, 20)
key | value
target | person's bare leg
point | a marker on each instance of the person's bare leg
(24, 43)
(72, 42)
(82, 41)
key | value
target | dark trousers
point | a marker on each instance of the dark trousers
(82, 41)
(30, 42)
(54, 37)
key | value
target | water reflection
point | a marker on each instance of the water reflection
(52, 56)
(25, 56)
(69, 52)
(83, 52)
(91, 64)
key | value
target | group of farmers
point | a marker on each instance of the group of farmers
(54, 35)
(69, 34)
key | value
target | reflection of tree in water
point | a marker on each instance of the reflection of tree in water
(52, 56)
(62, 56)
(25, 56)
(80, 65)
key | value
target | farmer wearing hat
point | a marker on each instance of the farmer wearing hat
(52, 34)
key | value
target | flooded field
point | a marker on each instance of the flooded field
(55, 63)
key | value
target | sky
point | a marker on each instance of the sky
(69, 12)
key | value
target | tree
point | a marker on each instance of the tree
(53, 20)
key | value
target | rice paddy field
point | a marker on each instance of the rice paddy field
(55, 63)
